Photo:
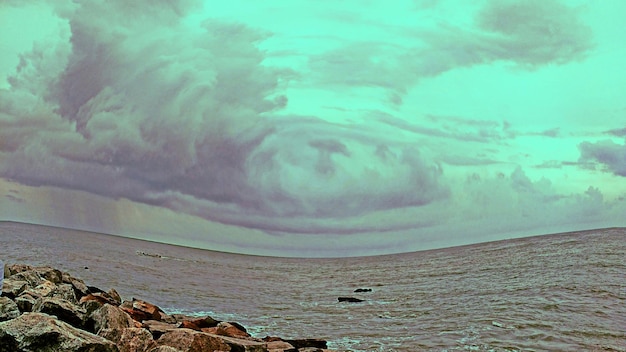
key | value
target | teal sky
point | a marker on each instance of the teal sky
(314, 128)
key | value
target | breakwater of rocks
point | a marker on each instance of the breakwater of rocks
(45, 309)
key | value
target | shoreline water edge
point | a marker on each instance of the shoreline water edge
(43, 308)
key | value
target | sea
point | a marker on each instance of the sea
(559, 292)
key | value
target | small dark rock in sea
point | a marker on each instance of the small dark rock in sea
(363, 290)
(349, 299)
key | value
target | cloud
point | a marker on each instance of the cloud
(608, 153)
(528, 34)
(135, 103)
(535, 32)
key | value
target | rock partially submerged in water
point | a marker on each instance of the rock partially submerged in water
(42, 308)
(349, 299)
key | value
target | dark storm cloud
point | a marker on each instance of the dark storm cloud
(139, 105)
(607, 153)
(527, 33)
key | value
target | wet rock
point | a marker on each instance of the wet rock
(199, 323)
(302, 343)
(42, 332)
(349, 299)
(187, 340)
(62, 309)
(8, 309)
(228, 329)
(363, 290)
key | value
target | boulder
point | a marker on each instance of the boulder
(109, 317)
(349, 299)
(8, 309)
(187, 340)
(13, 288)
(42, 332)
(25, 302)
(280, 346)
(164, 349)
(141, 310)
(98, 297)
(228, 329)
(13, 269)
(32, 278)
(62, 309)
(302, 343)
(48, 273)
(136, 340)
(65, 291)
(80, 289)
(113, 295)
(157, 328)
(198, 323)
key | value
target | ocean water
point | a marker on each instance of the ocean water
(563, 292)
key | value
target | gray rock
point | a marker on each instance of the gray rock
(13, 288)
(158, 328)
(109, 317)
(25, 302)
(41, 332)
(32, 278)
(62, 309)
(136, 339)
(280, 346)
(8, 309)
(164, 349)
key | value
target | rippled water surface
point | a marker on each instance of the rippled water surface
(551, 293)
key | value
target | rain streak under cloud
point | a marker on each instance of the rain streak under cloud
(317, 129)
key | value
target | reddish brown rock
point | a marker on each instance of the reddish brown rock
(212, 330)
(187, 340)
(198, 323)
(228, 329)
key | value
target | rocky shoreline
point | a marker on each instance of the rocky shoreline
(45, 309)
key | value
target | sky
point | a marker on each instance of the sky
(314, 128)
